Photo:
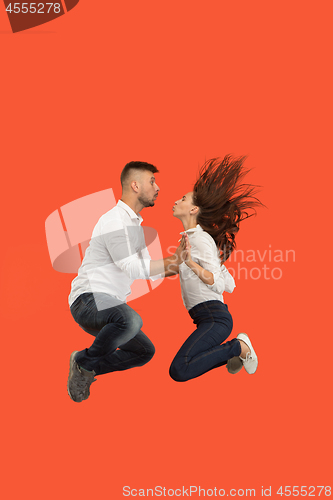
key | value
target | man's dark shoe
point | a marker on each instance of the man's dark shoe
(79, 381)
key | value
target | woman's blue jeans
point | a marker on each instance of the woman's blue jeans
(204, 350)
(119, 344)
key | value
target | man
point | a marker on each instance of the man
(116, 256)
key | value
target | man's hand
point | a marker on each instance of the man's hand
(168, 266)
(172, 263)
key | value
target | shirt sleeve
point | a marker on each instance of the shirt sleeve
(229, 281)
(209, 260)
(126, 246)
(146, 256)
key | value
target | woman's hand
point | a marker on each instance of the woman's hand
(186, 249)
(179, 252)
(183, 252)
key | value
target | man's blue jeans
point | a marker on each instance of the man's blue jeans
(202, 351)
(119, 344)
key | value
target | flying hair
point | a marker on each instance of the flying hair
(224, 201)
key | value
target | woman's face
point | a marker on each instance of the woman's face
(183, 206)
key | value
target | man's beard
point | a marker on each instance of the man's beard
(145, 202)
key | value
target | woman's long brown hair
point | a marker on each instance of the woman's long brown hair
(224, 201)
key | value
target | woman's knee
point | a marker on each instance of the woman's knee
(177, 371)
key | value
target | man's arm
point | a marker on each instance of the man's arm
(122, 241)
(168, 266)
(167, 274)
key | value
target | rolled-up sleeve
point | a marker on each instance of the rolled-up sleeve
(229, 281)
(125, 245)
(223, 281)
(146, 255)
(135, 267)
(210, 261)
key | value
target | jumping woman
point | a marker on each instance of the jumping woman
(211, 215)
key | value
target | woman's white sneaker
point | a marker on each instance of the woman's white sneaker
(250, 362)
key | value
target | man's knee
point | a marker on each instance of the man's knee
(133, 321)
(150, 351)
(146, 356)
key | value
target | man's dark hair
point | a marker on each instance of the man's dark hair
(137, 165)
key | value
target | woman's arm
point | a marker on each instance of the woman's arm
(218, 279)
(229, 282)
(206, 276)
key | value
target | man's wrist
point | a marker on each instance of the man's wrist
(171, 263)
(175, 259)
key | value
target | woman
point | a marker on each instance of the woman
(211, 214)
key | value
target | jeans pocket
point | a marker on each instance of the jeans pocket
(88, 301)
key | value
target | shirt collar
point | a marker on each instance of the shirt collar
(130, 212)
(192, 229)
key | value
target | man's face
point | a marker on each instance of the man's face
(183, 205)
(148, 189)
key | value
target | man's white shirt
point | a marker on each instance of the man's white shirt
(116, 256)
(205, 253)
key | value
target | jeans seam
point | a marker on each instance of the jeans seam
(205, 354)
(199, 338)
(125, 360)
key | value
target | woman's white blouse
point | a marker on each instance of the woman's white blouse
(205, 253)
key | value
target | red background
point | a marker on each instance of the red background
(172, 83)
